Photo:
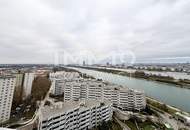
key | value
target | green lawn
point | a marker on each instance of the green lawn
(112, 126)
(145, 125)
(149, 127)
(131, 125)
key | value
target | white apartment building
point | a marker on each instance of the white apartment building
(6, 129)
(58, 80)
(94, 90)
(110, 93)
(131, 99)
(63, 75)
(7, 86)
(122, 98)
(140, 100)
(75, 115)
(18, 85)
(72, 90)
(19, 79)
(27, 85)
(58, 86)
(82, 89)
(77, 88)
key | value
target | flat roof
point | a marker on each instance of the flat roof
(62, 107)
(6, 129)
(7, 76)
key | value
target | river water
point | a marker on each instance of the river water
(167, 93)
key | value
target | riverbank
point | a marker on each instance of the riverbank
(182, 83)
(164, 107)
(161, 107)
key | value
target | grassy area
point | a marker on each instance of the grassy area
(110, 125)
(131, 125)
(147, 125)
(40, 88)
(116, 126)
(161, 107)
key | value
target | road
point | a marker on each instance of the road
(176, 125)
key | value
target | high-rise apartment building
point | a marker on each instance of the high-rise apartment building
(121, 97)
(59, 79)
(7, 86)
(27, 85)
(63, 75)
(78, 88)
(19, 79)
(18, 85)
(58, 86)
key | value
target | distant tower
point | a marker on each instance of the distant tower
(84, 63)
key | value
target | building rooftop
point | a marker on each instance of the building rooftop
(62, 107)
(6, 129)
(6, 76)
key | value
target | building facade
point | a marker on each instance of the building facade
(58, 86)
(75, 115)
(18, 85)
(63, 75)
(7, 86)
(19, 79)
(27, 85)
(122, 98)
(59, 79)
(77, 88)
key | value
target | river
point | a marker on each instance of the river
(167, 93)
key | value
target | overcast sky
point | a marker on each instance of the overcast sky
(32, 31)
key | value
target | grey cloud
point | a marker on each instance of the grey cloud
(38, 28)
